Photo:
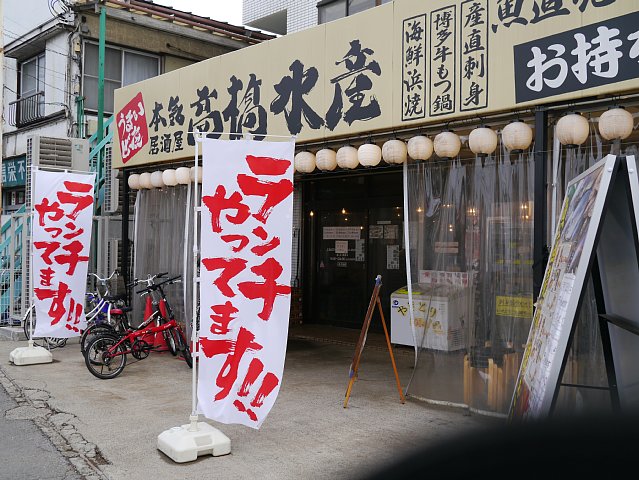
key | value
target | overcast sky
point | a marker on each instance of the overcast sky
(223, 10)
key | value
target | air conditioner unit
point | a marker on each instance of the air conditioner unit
(57, 154)
(111, 183)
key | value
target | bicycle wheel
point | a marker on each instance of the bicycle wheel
(45, 342)
(185, 350)
(171, 341)
(92, 331)
(104, 358)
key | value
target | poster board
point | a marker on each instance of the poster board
(564, 282)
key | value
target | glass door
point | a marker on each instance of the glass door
(341, 266)
(353, 232)
(386, 254)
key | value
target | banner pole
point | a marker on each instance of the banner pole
(196, 285)
(186, 442)
(31, 307)
(31, 354)
(409, 276)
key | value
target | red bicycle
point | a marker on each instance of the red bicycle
(106, 354)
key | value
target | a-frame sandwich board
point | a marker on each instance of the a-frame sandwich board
(596, 236)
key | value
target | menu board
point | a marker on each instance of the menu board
(569, 263)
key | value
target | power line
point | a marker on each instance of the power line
(43, 82)
(16, 36)
(60, 75)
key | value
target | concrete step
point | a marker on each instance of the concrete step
(12, 333)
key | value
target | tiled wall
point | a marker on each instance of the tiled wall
(300, 14)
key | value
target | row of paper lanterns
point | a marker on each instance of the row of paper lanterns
(572, 129)
(164, 178)
(482, 141)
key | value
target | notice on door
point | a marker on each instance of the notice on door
(341, 233)
(392, 257)
(390, 232)
(359, 251)
(341, 247)
(376, 231)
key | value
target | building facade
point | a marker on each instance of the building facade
(51, 71)
(435, 142)
(289, 16)
(52, 84)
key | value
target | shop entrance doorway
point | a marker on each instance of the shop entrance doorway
(353, 231)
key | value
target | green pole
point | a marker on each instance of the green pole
(100, 132)
(101, 55)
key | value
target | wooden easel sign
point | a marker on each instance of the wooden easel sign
(596, 236)
(359, 348)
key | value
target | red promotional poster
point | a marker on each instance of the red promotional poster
(132, 129)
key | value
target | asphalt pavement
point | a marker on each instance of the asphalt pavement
(25, 451)
(84, 427)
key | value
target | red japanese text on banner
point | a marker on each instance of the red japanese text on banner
(245, 273)
(62, 215)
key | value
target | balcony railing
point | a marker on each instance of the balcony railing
(26, 110)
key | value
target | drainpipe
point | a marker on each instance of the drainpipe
(124, 266)
(540, 248)
(79, 103)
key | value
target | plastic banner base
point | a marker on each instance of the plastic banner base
(30, 355)
(186, 443)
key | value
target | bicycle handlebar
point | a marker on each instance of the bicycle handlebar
(104, 280)
(155, 286)
(149, 280)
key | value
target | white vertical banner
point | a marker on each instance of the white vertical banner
(61, 228)
(245, 275)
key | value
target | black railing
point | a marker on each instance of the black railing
(26, 110)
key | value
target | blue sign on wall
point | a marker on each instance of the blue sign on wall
(14, 172)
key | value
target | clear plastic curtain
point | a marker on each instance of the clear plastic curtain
(470, 225)
(160, 238)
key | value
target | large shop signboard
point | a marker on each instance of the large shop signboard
(434, 60)
(62, 221)
(246, 241)
(576, 240)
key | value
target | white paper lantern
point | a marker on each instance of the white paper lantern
(482, 141)
(156, 179)
(347, 157)
(183, 175)
(168, 177)
(304, 162)
(616, 124)
(199, 174)
(394, 151)
(517, 136)
(420, 148)
(134, 181)
(369, 155)
(326, 159)
(145, 180)
(572, 130)
(447, 144)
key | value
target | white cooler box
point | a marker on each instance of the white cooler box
(449, 310)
